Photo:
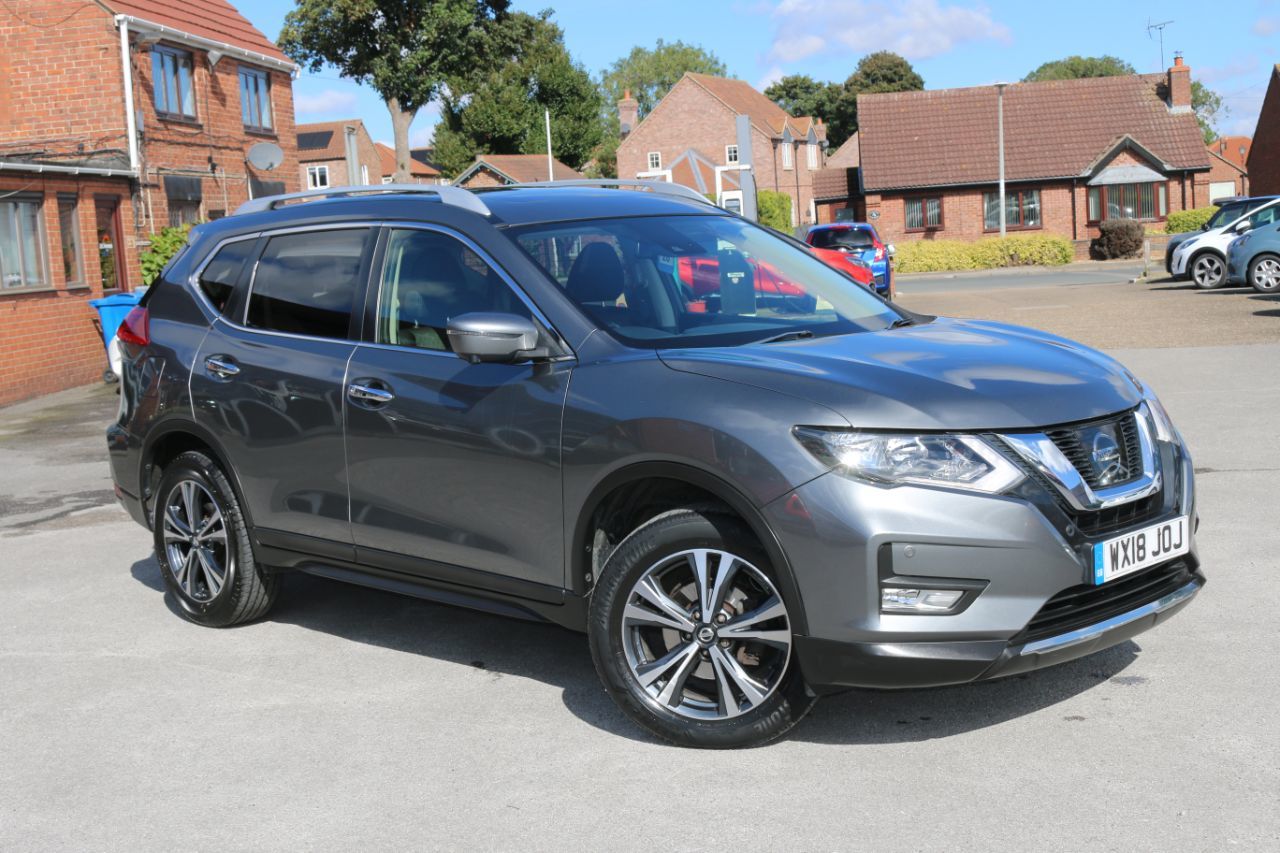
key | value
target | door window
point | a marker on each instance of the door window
(428, 278)
(306, 283)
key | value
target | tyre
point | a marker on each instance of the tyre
(202, 546)
(691, 636)
(1264, 274)
(1208, 271)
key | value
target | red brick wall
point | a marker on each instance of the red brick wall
(48, 340)
(485, 178)
(690, 117)
(1264, 156)
(365, 151)
(1223, 171)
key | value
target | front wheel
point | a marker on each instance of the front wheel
(691, 636)
(1264, 274)
(1208, 271)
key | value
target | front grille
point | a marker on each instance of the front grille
(1084, 605)
(1075, 442)
(1117, 517)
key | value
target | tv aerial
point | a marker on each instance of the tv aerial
(1158, 28)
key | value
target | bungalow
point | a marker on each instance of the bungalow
(498, 170)
(1077, 152)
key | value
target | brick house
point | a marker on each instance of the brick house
(1226, 178)
(498, 170)
(1076, 152)
(117, 117)
(1233, 149)
(419, 172)
(1264, 155)
(835, 187)
(337, 154)
(692, 131)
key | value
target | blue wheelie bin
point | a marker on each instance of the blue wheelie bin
(111, 313)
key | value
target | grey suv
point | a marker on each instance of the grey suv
(749, 480)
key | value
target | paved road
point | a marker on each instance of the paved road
(353, 719)
(1088, 272)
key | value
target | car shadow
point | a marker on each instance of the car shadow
(561, 658)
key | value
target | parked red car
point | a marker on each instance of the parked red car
(702, 277)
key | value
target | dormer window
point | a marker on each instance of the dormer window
(788, 158)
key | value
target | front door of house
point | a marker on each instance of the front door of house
(108, 231)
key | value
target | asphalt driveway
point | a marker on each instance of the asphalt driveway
(354, 719)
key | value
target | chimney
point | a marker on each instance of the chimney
(628, 113)
(1179, 86)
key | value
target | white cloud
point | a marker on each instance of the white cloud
(1266, 26)
(917, 29)
(773, 75)
(324, 103)
(1243, 67)
(421, 136)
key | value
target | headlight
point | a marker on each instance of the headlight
(1165, 430)
(895, 459)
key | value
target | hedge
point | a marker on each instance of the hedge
(1016, 251)
(1119, 238)
(1188, 220)
(164, 245)
(774, 210)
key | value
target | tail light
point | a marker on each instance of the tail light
(879, 253)
(136, 328)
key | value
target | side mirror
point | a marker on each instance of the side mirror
(1242, 226)
(891, 249)
(494, 337)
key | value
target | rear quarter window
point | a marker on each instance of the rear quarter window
(218, 278)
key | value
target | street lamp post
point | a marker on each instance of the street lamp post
(1000, 134)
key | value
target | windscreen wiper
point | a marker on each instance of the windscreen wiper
(902, 322)
(793, 335)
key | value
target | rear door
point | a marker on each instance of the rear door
(454, 467)
(269, 377)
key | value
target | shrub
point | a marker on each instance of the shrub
(991, 253)
(163, 246)
(1188, 220)
(1120, 238)
(774, 210)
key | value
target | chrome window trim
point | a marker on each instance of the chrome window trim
(489, 261)
(1039, 451)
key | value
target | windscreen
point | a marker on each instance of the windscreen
(1225, 215)
(698, 281)
(842, 238)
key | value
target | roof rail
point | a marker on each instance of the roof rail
(664, 187)
(456, 196)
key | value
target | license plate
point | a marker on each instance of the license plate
(1141, 549)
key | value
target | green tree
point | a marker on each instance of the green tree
(882, 71)
(650, 74)
(1076, 67)
(404, 49)
(1209, 109)
(801, 95)
(497, 107)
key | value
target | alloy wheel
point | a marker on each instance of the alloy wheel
(706, 634)
(1207, 271)
(1266, 274)
(195, 539)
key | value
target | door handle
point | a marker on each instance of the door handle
(371, 394)
(221, 366)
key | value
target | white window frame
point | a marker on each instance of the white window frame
(788, 159)
(364, 174)
(731, 154)
(655, 161)
(812, 153)
(386, 179)
(15, 208)
(314, 174)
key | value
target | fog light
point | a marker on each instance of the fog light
(895, 599)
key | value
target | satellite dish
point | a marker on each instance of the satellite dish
(265, 156)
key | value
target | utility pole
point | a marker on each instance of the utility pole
(551, 172)
(1000, 145)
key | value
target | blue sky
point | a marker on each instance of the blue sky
(1229, 46)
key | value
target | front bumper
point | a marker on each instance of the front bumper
(1023, 551)
(1178, 263)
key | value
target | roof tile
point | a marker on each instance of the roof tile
(217, 20)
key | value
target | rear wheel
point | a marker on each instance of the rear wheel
(691, 636)
(202, 546)
(1264, 273)
(1208, 271)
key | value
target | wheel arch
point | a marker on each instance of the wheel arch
(173, 438)
(637, 475)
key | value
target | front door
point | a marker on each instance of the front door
(451, 465)
(268, 383)
(107, 226)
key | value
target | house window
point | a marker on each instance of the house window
(69, 226)
(255, 99)
(317, 177)
(923, 214)
(655, 161)
(1148, 201)
(731, 154)
(787, 161)
(812, 151)
(22, 247)
(364, 174)
(183, 212)
(171, 81)
(1021, 210)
